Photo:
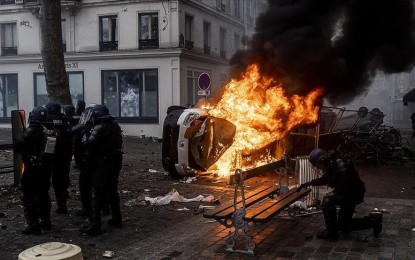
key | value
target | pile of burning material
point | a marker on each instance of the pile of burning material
(239, 130)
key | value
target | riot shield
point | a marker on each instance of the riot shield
(18, 126)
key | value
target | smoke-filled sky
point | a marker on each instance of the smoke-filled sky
(335, 44)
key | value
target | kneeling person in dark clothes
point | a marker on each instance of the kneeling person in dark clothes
(348, 192)
(35, 181)
(104, 143)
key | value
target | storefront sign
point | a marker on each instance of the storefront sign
(68, 65)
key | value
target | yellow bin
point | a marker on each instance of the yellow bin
(52, 251)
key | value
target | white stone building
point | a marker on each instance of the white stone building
(136, 56)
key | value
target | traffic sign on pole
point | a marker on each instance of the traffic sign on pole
(204, 81)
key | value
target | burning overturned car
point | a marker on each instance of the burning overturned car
(238, 131)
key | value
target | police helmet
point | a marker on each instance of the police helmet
(80, 106)
(68, 110)
(38, 115)
(54, 108)
(100, 111)
(318, 156)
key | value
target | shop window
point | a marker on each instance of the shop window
(76, 87)
(8, 94)
(131, 95)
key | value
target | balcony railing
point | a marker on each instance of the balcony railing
(108, 46)
(206, 49)
(188, 45)
(149, 44)
(7, 2)
(8, 51)
(223, 54)
(31, 2)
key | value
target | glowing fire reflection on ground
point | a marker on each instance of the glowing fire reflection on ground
(262, 113)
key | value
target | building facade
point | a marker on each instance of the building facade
(138, 57)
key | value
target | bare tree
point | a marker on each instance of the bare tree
(57, 85)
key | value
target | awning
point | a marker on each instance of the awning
(409, 97)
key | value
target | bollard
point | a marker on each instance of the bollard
(52, 251)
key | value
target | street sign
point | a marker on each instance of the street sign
(203, 92)
(204, 81)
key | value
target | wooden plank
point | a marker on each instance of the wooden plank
(251, 213)
(229, 204)
(280, 206)
(249, 202)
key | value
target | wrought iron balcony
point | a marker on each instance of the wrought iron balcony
(206, 49)
(8, 51)
(188, 45)
(108, 46)
(149, 44)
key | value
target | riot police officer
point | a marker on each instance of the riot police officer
(62, 155)
(80, 107)
(348, 192)
(84, 160)
(104, 143)
(35, 181)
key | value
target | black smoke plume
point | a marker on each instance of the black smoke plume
(335, 44)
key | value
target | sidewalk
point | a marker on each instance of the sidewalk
(163, 232)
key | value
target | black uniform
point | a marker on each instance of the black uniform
(86, 165)
(62, 155)
(35, 182)
(413, 124)
(104, 144)
(348, 192)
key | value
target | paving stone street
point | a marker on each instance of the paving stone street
(172, 232)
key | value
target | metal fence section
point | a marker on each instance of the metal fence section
(305, 173)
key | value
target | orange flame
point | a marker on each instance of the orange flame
(261, 112)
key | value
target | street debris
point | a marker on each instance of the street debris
(173, 195)
(108, 254)
(183, 209)
(188, 180)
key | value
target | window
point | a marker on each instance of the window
(63, 26)
(8, 94)
(108, 33)
(8, 39)
(192, 87)
(222, 39)
(7, 2)
(188, 31)
(206, 37)
(237, 8)
(131, 95)
(236, 42)
(76, 86)
(149, 31)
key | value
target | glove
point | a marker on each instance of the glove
(303, 186)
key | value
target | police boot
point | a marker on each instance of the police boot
(45, 224)
(330, 218)
(94, 227)
(33, 227)
(376, 220)
(32, 230)
(62, 209)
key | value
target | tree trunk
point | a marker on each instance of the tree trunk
(57, 85)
